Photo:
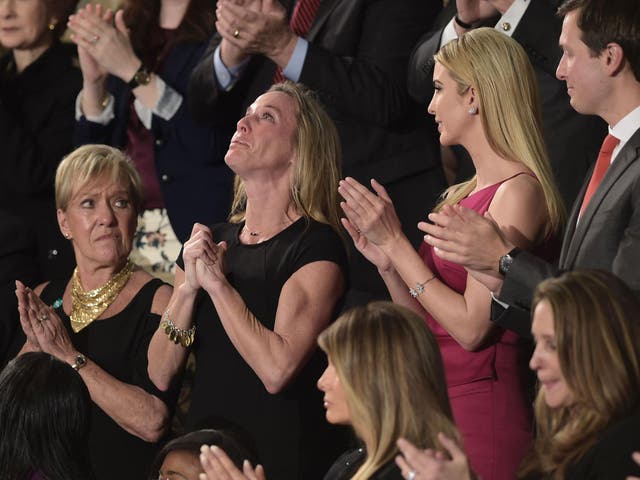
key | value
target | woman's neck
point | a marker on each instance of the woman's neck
(172, 12)
(24, 58)
(490, 167)
(95, 276)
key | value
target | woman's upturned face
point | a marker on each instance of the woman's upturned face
(335, 401)
(101, 221)
(24, 24)
(545, 361)
(180, 465)
(264, 138)
(451, 110)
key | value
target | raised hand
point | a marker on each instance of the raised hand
(218, 466)
(254, 27)
(31, 343)
(433, 465)
(200, 245)
(371, 252)
(108, 44)
(370, 213)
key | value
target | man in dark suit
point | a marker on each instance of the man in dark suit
(572, 140)
(354, 56)
(601, 67)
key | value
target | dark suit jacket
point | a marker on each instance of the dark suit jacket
(607, 237)
(573, 140)
(195, 182)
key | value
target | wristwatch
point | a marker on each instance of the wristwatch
(80, 361)
(140, 78)
(507, 260)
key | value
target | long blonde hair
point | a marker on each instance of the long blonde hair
(509, 108)
(391, 370)
(596, 332)
(314, 181)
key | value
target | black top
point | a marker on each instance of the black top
(36, 132)
(119, 346)
(610, 457)
(288, 429)
(348, 464)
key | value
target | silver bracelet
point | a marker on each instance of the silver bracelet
(419, 290)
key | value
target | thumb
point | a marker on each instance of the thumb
(223, 245)
(451, 446)
(119, 22)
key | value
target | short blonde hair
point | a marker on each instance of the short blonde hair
(390, 367)
(91, 162)
(509, 107)
(314, 181)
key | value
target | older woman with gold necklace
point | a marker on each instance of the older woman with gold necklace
(102, 319)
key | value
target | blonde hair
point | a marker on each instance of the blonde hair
(391, 370)
(314, 180)
(509, 108)
(90, 162)
(596, 332)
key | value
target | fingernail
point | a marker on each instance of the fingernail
(204, 448)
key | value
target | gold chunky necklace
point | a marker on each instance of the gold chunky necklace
(87, 306)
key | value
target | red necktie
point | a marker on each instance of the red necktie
(603, 162)
(301, 20)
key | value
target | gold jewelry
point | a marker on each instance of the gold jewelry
(236, 33)
(87, 306)
(177, 335)
(52, 25)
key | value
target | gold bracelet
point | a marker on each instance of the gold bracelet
(177, 335)
(419, 290)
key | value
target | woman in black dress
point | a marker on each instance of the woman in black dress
(260, 288)
(101, 319)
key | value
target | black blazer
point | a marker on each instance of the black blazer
(573, 140)
(195, 182)
(607, 237)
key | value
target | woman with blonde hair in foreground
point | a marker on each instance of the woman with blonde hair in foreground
(587, 360)
(384, 379)
(486, 99)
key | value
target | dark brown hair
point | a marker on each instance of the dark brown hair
(143, 18)
(609, 21)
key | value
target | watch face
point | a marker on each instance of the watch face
(505, 263)
(142, 77)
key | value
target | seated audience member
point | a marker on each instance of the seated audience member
(180, 458)
(385, 379)
(600, 37)
(353, 54)
(38, 86)
(572, 140)
(101, 319)
(587, 361)
(135, 68)
(482, 81)
(260, 288)
(44, 420)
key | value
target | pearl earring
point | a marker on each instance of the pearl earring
(473, 110)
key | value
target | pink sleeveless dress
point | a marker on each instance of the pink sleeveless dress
(489, 388)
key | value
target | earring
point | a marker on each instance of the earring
(66, 235)
(52, 24)
(473, 110)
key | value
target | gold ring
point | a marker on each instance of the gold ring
(236, 33)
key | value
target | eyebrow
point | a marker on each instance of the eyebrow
(272, 107)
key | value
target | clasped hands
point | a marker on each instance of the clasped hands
(204, 260)
(42, 326)
(103, 43)
(250, 27)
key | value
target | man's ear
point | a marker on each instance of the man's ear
(614, 59)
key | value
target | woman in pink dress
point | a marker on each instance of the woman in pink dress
(486, 99)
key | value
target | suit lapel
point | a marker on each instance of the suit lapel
(626, 157)
(324, 10)
(573, 220)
